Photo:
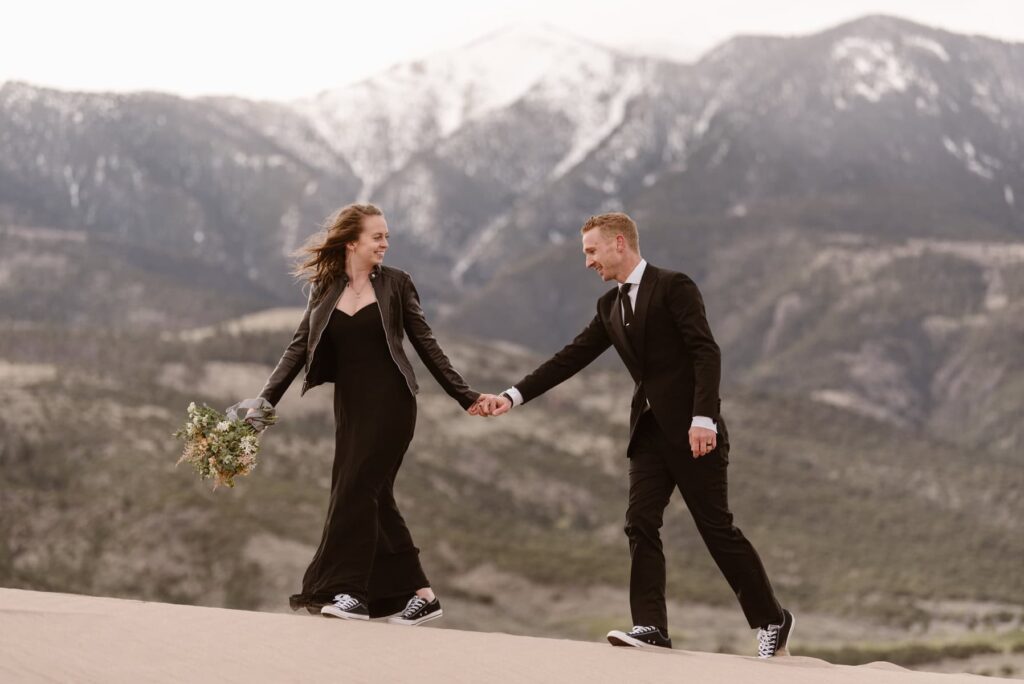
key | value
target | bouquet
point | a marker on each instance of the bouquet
(222, 446)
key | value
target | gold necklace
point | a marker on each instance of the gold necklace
(358, 291)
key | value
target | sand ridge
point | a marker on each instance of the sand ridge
(66, 637)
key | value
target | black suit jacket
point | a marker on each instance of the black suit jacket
(671, 354)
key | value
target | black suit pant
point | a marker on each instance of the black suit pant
(656, 467)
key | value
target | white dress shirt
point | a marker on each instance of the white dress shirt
(634, 277)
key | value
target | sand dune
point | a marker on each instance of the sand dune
(65, 637)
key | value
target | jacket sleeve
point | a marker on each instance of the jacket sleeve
(568, 361)
(425, 344)
(292, 360)
(687, 308)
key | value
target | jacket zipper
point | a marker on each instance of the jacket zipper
(387, 341)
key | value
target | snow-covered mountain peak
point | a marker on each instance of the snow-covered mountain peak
(413, 105)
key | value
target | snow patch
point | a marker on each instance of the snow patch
(704, 120)
(871, 69)
(487, 235)
(73, 187)
(720, 153)
(1008, 195)
(928, 45)
(851, 402)
(588, 137)
(982, 165)
(982, 98)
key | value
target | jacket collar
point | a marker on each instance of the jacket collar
(637, 274)
(643, 303)
(374, 273)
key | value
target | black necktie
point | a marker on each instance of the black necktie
(627, 306)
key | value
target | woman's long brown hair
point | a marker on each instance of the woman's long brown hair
(322, 258)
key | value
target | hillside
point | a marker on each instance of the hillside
(866, 529)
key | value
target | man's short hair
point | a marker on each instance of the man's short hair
(612, 224)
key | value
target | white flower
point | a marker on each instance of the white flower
(192, 407)
(223, 426)
(249, 444)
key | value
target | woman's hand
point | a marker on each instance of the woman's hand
(489, 405)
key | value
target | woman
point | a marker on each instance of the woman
(351, 335)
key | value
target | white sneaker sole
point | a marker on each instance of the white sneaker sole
(617, 638)
(334, 611)
(419, 621)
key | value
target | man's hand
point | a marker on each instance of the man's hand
(502, 405)
(489, 405)
(702, 441)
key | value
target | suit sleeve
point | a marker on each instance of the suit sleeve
(687, 308)
(292, 360)
(425, 344)
(568, 361)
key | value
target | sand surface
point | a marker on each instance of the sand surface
(70, 638)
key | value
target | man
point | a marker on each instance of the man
(677, 438)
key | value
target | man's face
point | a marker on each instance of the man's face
(603, 254)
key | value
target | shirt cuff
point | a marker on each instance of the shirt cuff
(514, 395)
(704, 422)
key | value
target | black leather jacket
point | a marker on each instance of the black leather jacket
(400, 311)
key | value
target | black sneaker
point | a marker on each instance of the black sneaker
(417, 611)
(639, 637)
(346, 607)
(774, 639)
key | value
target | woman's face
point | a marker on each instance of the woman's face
(368, 250)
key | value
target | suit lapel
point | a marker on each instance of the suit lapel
(643, 303)
(619, 337)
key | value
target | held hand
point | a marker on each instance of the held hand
(482, 406)
(489, 405)
(702, 441)
(504, 404)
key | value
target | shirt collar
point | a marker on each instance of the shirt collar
(637, 274)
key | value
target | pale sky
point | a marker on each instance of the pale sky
(281, 50)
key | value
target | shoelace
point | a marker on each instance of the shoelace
(345, 602)
(637, 629)
(767, 641)
(415, 603)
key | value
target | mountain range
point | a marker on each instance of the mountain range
(849, 201)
